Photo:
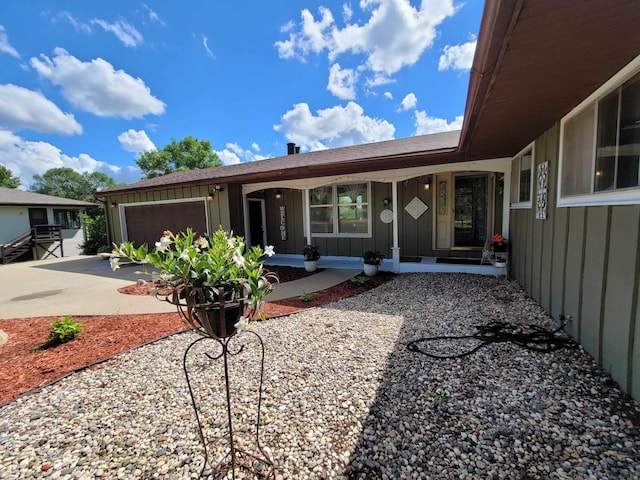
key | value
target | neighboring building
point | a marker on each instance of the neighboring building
(34, 226)
(549, 155)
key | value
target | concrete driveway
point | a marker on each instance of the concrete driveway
(86, 285)
(82, 285)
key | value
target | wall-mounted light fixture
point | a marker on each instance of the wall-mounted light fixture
(427, 183)
(212, 193)
(114, 204)
(278, 194)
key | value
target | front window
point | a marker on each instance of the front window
(340, 210)
(600, 149)
(521, 168)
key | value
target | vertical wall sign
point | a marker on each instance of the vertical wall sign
(543, 182)
(442, 197)
(283, 222)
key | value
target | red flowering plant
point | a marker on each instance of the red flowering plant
(499, 243)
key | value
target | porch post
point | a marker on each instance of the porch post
(506, 203)
(306, 221)
(395, 249)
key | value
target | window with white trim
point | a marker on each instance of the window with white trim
(521, 168)
(600, 149)
(340, 210)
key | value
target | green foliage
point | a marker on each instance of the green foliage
(307, 297)
(95, 226)
(201, 263)
(372, 258)
(67, 183)
(311, 253)
(7, 179)
(63, 330)
(360, 280)
(187, 154)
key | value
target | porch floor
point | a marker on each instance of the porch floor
(426, 264)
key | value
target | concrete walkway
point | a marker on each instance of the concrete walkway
(85, 285)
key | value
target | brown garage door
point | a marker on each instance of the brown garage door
(145, 223)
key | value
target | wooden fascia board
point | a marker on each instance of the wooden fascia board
(360, 165)
(498, 20)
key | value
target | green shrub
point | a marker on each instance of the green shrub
(95, 225)
(360, 280)
(307, 297)
(63, 330)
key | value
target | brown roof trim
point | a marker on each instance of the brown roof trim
(499, 19)
(386, 155)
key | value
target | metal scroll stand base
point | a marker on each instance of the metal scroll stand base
(236, 461)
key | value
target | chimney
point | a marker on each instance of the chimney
(297, 149)
(291, 148)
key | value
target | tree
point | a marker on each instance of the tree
(187, 154)
(67, 183)
(7, 179)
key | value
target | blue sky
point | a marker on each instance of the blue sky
(89, 85)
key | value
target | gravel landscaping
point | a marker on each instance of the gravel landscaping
(344, 398)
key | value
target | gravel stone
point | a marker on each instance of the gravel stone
(343, 398)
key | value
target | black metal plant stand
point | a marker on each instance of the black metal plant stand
(236, 459)
(209, 321)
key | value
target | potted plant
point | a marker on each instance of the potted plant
(311, 256)
(500, 243)
(217, 285)
(372, 262)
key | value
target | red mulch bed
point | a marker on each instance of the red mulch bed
(23, 367)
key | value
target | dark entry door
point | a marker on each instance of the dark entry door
(256, 222)
(38, 216)
(470, 221)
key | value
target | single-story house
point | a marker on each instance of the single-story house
(36, 226)
(548, 155)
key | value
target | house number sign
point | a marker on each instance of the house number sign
(543, 181)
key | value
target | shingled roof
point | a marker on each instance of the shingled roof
(405, 152)
(12, 196)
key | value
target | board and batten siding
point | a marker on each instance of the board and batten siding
(584, 262)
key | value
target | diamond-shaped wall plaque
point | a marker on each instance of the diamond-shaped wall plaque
(416, 208)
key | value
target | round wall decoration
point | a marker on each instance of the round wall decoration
(386, 216)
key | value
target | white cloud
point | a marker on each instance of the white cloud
(255, 146)
(388, 95)
(378, 79)
(394, 36)
(234, 153)
(25, 159)
(125, 32)
(205, 44)
(76, 24)
(153, 16)
(425, 124)
(332, 127)
(136, 141)
(457, 57)
(408, 102)
(347, 13)
(96, 87)
(342, 82)
(5, 46)
(23, 109)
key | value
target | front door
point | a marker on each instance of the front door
(38, 216)
(471, 198)
(257, 222)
